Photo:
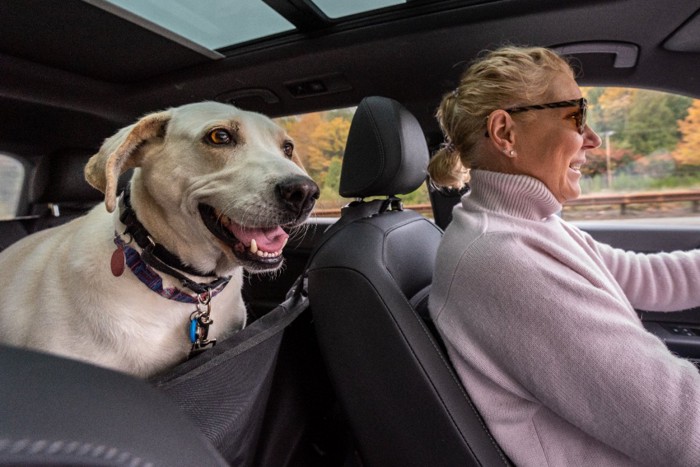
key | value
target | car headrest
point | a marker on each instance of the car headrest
(386, 153)
(59, 178)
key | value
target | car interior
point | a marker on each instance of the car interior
(353, 373)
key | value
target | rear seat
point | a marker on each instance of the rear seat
(10, 232)
(58, 193)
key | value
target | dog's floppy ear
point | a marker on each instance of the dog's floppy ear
(122, 152)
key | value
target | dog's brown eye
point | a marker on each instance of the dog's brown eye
(219, 136)
(288, 148)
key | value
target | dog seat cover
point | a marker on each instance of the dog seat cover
(225, 389)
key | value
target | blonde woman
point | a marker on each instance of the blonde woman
(538, 318)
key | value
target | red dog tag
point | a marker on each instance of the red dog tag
(117, 263)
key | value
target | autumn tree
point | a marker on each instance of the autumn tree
(643, 121)
(330, 136)
(301, 128)
(597, 161)
(687, 152)
(320, 140)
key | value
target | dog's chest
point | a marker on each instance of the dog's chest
(156, 331)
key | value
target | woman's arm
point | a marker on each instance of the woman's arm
(654, 282)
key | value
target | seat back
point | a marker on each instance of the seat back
(58, 412)
(59, 192)
(11, 231)
(403, 401)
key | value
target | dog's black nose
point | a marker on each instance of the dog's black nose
(298, 194)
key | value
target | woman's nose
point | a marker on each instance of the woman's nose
(591, 139)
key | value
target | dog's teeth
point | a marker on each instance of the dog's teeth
(253, 248)
(283, 245)
(266, 254)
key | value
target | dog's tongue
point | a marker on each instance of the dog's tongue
(271, 239)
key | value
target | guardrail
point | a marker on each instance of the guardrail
(624, 199)
(621, 199)
(426, 209)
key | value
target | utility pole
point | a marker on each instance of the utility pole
(608, 172)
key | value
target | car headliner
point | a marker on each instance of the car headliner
(73, 72)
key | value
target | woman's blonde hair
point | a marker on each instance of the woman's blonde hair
(502, 78)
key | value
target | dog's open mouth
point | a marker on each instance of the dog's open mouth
(256, 246)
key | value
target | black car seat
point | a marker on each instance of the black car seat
(60, 412)
(59, 191)
(368, 282)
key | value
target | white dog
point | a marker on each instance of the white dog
(139, 289)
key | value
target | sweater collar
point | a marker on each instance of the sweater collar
(515, 195)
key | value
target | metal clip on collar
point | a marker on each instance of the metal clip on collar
(200, 320)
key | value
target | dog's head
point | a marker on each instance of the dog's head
(216, 185)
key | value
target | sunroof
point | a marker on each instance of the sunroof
(338, 9)
(211, 24)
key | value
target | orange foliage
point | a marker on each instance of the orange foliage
(688, 150)
(319, 139)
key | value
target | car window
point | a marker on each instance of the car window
(648, 164)
(321, 138)
(11, 181)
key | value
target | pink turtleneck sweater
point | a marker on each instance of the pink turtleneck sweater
(539, 321)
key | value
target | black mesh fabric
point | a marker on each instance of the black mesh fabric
(225, 389)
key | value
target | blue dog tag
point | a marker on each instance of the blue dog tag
(193, 330)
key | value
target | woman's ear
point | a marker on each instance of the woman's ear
(501, 131)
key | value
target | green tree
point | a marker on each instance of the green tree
(331, 186)
(594, 113)
(679, 105)
(611, 110)
(643, 121)
(420, 196)
(651, 124)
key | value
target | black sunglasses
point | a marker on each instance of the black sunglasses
(580, 116)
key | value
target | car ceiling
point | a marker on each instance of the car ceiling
(72, 72)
